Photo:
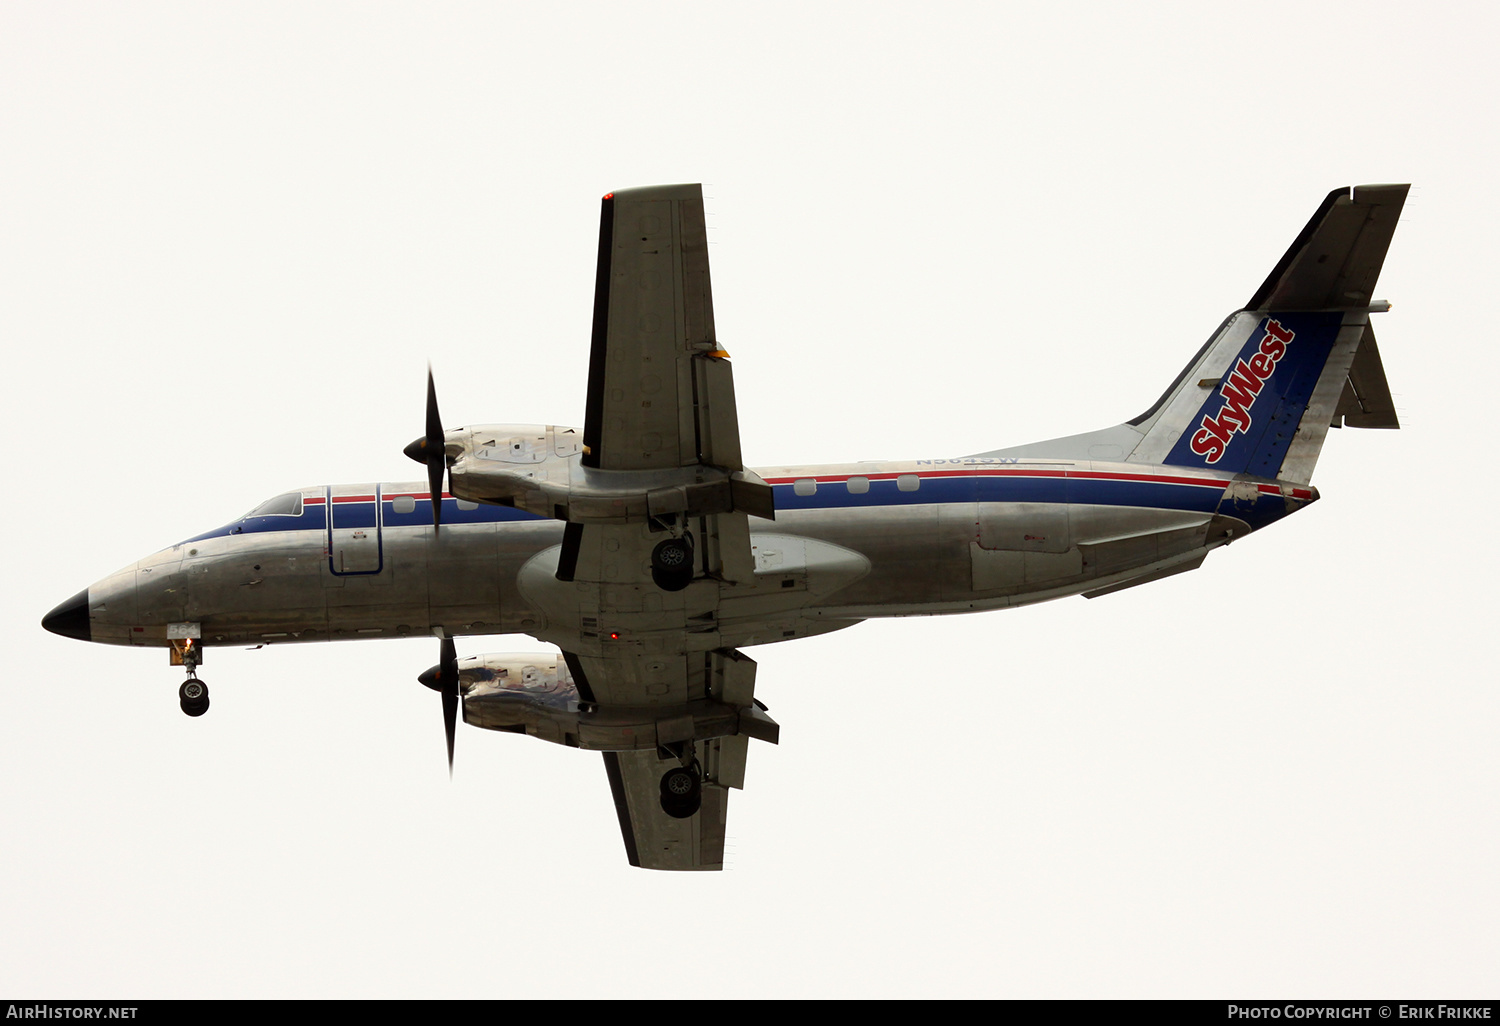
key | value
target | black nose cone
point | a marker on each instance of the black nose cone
(71, 618)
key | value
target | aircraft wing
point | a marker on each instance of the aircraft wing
(660, 393)
(660, 390)
(653, 838)
(661, 399)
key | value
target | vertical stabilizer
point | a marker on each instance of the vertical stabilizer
(1261, 393)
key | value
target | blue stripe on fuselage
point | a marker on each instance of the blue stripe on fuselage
(421, 516)
(1059, 488)
(314, 517)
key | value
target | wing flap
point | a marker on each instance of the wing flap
(718, 425)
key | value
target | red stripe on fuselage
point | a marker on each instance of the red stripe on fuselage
(385, 497)
(1097, 475)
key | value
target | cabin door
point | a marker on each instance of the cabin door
(354, 529)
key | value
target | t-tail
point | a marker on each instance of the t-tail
(1262, 392)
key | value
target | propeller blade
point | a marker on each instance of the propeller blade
(448, 678)
(437, 457)
(431, 450)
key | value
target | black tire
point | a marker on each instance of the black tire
(681, 808)
(681, 792)
(671, 580)
(193, 697)
(672, 563)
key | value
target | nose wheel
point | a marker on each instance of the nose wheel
(193, 696)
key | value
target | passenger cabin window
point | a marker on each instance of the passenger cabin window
(288, 505)
(859, 485)
(908, 482)
(466, 504)
(404, 504)
(804, 486)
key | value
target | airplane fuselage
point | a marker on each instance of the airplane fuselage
(849, 542)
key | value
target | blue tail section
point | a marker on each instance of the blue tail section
(1247, 424)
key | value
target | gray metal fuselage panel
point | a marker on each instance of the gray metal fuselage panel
(850, 542)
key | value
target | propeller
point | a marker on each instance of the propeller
(443, 678)
(430, 450)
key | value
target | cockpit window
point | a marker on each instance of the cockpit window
(288, 505)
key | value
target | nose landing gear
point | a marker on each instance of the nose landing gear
(187, 651)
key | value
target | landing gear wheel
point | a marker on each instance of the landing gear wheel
(672, 564)
(681, 793)
(193, 697)
(672, 554)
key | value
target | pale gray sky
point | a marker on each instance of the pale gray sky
(233, 235)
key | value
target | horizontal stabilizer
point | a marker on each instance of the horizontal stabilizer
(1334, 262)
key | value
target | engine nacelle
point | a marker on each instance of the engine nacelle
(518, 445)
(538, 469)
(533, 693)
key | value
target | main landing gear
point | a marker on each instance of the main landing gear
(672, 563)
(682, 790)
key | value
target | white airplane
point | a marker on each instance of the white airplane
(646, 551)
